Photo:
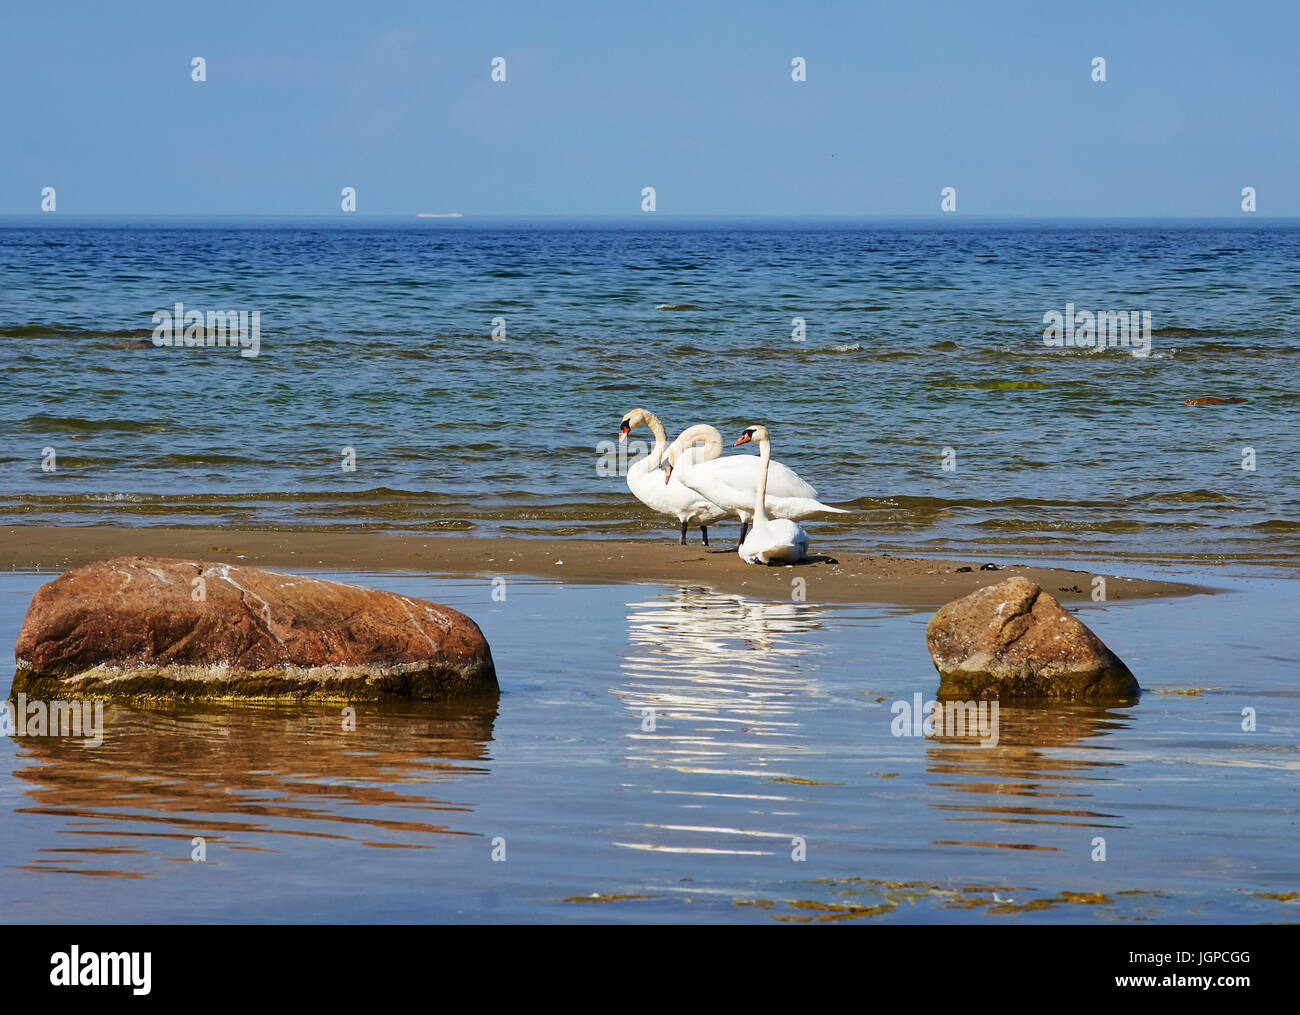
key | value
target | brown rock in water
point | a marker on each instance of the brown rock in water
(1213, 400)
(133, 626)
(1013, 640)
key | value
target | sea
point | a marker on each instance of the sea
(453, 376)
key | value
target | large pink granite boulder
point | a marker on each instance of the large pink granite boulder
(165, 628)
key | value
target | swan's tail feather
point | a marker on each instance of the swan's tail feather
(832, 510)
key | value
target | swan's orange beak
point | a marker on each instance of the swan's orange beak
(744, 439)
(668, 473)
(623, 431)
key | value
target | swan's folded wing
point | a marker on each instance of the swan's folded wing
(783, 481)
(723, 481)
(787, 533)
(741, 473)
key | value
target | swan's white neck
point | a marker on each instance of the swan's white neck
(652, 460)
(760, 494)
(695, 439)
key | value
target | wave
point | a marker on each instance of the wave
(1187, 496)
(1174, 331)
(1276, 525)
(1235, 350)
(1035, 347)
(1049, 527)
(944, 503)
(988, 385)
(75, 424)
(68, 331)
(205, 458)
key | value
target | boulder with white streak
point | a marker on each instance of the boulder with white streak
(162, 628)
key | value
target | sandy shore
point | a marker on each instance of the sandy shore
(830, 577)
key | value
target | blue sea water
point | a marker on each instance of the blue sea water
(920, 337)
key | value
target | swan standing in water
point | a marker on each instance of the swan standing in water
(771, 540)
(652, 486)
(731, 482)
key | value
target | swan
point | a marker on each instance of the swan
(771, 540)
(650, 485)
(730, 482)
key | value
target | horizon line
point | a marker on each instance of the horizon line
(460, 220)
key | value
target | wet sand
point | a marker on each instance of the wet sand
(830, 576)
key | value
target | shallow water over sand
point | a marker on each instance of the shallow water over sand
(772, 725)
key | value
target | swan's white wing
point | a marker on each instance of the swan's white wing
(778, 541)
(727, 482)
(796, 509)
(783, 532)
(782, 481)
(739, 474)
(672, 498)
(722, 482)
(690, 505)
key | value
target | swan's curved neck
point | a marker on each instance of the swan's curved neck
(661, 441)
(760, 494)
(693, 445)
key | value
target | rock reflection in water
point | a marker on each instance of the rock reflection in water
(1026, 780)
(245, 776)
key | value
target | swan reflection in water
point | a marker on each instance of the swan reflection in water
(717, 686)
(714, 663)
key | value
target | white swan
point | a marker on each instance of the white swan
(731, 482)
(771, 540)
(651, 485)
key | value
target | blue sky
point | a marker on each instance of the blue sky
(694, 99)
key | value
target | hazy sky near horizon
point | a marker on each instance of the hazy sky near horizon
(694, 99)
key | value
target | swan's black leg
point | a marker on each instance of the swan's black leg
(744, 528)
(704, 534)
(683, 542)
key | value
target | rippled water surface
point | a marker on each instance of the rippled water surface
(918, 339)
(663, 754)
